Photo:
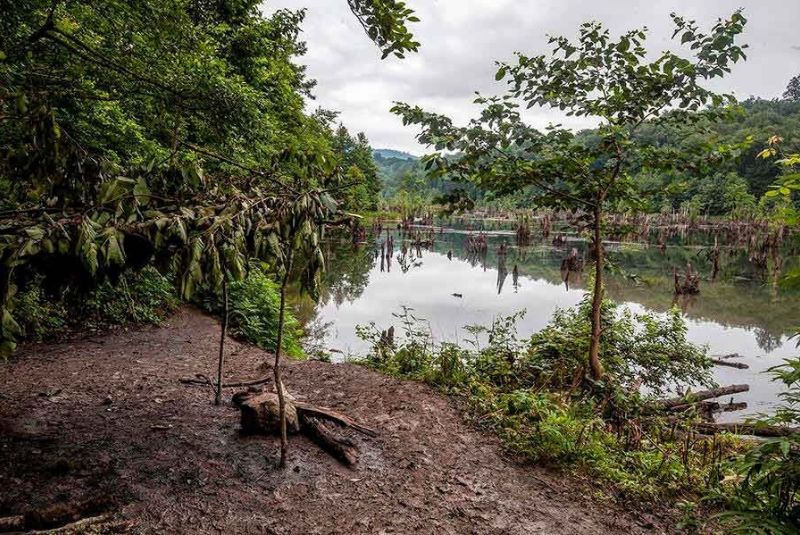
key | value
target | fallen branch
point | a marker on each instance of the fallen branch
(75, 527)
(205, 381)
(342, 448)
(260, 415)
(740, 365)
(703, 395)
(710, 407)
(312, 410)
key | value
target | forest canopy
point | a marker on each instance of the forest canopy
(169, 132)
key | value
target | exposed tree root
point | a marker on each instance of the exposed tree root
(259, 415)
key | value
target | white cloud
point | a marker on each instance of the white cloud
(461, 40)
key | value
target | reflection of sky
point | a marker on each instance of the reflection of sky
(429, 290)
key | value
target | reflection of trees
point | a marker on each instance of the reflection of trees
(347, 272)
(735, 299)
(768, 341)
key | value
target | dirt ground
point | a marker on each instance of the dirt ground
(104, 425)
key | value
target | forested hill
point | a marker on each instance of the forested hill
(737, 185)
(393, 154)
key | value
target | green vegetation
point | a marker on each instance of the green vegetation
(763, 488)
(254, 309)
(533, 394)
(600, 77)
(139, 297)
(170, 134)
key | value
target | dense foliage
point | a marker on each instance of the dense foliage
(170, 133)
(763, 489)
(138, 297)
(525, 391)
(597, 76)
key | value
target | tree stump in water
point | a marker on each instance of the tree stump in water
(260, 415)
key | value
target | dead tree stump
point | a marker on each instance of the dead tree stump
(260, 415)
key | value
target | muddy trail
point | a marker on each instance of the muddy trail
(103, 426)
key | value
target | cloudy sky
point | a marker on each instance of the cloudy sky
(461, 40)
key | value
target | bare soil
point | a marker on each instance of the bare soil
(104, 425)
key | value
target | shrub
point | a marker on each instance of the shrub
(536, 395)
(763, 485)
(254, 305)
(138, 297)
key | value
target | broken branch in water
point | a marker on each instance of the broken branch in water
(721, 362)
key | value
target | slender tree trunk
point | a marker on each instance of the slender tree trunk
(597, 296)
(223, 336)
(277, 366)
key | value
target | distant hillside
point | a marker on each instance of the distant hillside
(391, 153)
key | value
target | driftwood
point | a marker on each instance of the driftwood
(259, 415)
(703, 395)
(721, 362)
(708, 408)
(729, 356)
(768, 431)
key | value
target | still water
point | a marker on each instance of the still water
(743, 311)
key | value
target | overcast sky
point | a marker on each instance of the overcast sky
(461, 40)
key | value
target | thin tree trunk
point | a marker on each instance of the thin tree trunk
(223, 336)
(277, 367)
(597, 298)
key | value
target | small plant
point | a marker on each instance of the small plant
(254, 305)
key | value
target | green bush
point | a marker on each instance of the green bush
(762, 487)
(536, 394)
(140, 297)
(254, 304)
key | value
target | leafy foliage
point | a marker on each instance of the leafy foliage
(139, 297)
(611, 80)
(793, 89)
(524, 390)
(253, 311)
(170, 133)
(764, 488)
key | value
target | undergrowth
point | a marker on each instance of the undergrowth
(147, 297)
(254, 304)
(537, 396)
(137, 297)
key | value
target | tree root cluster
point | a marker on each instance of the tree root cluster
(260, 415)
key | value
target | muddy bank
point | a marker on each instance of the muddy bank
(103, 425)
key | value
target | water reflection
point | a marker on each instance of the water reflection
(455, 279)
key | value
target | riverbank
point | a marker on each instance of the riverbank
(105, 422)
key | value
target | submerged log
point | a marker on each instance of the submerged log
(721, 362)
(703, 395)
